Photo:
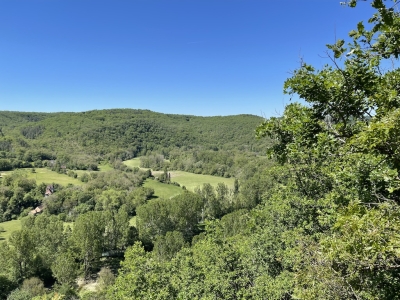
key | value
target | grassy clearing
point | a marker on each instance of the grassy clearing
(13, 225)
(191, 181)
(104, 167)
(47, 176)
(134, 162)
(9, 227)
(162, 190)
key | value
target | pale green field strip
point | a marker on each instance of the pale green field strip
(47, 176)
(191, 181)
(104, 167)
(9, 227)
(133, 163)
(162, 190)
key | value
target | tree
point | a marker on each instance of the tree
(106, 278)
(342, 153)
(140, 277)
(165, 247)
(34, 286)
(87, 239)
(6, 286)
(64, 268)
(22, 254)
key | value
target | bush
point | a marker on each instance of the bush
(34, 286)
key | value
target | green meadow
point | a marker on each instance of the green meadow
(189, 180)
(133, 163)
(8, 227)
(162, 190)
(47, 176)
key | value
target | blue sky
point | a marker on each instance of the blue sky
(197, 57)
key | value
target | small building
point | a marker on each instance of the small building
(49, 190)
(36, 211)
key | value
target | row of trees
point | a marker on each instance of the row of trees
(212, 162)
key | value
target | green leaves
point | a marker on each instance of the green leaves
(377, 4)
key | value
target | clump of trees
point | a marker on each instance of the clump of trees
(18, 195)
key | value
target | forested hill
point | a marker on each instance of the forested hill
(123, 132)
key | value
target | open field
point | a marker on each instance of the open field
(104, 167)
(9, 227)
(47, 176)
(191, 181)
(162, 190)
(134, 162)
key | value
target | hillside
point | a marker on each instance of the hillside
(122, 133)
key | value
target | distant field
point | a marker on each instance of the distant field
(14, 225)
(134, 162)
(47, 176)
(9, 227)
(104, 167)
(162, 190)
(191, 181)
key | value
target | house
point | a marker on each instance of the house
(49, 190)
(36, 211)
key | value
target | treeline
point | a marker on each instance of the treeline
(221, 163)
(19, 195)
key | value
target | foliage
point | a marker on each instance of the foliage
(324, 222)
(82, 140)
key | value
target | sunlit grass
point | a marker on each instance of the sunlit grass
(104, 167)
(191, 181)
(8, 228)
(162, 190)
(47, 176)
(133, 163)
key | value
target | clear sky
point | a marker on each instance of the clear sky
(197, 57)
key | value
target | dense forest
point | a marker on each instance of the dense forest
(319, 220)
(80, 138)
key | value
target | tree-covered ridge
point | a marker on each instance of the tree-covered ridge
(123, 132)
